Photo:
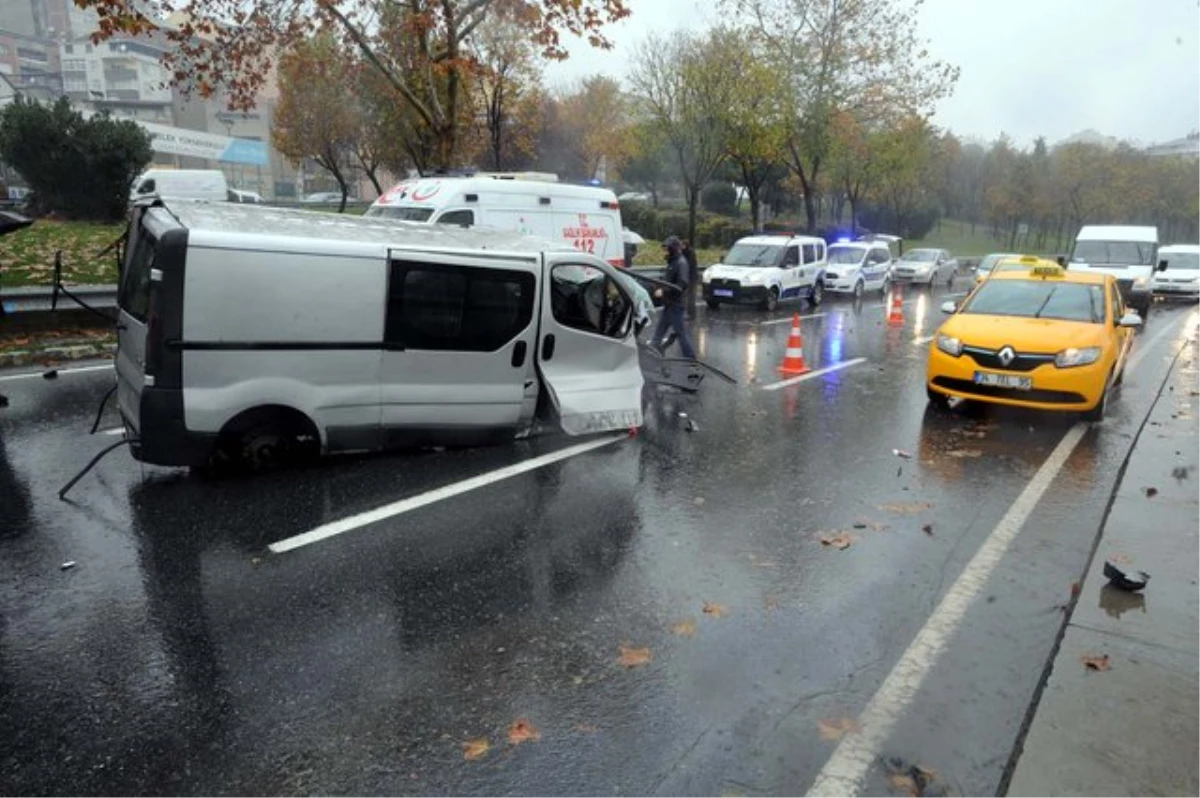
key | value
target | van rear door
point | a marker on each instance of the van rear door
(586, 354)
(133, 302)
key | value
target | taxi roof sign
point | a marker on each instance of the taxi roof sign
(1030, 259)
(1048, 270)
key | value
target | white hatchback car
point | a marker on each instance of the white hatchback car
(1180, 279)
(858, 266)
(763, 269)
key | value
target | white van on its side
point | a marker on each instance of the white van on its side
(586, 217)
(198, 184)
(249, 332)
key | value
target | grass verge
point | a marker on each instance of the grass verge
(27, 256)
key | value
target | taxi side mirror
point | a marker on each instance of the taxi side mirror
(1061, 261)
(1131, 319)
(1162, 265)
(949, 307)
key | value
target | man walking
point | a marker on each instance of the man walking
(693, 277)
(679, 275)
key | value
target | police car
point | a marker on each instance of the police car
(855, 267)
(764, 269)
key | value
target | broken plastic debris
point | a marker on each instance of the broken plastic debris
(902, 453)
(1131, 580)
(49, 374)
(682, 414)
(68, 565)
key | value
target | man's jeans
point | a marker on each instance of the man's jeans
(672, 316)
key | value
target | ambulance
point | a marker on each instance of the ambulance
(587, 218)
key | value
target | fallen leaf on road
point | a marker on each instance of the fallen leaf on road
(839, 540)
(1151, 492)
(927, 529)
(685, 628)
(715, 610)
(633, 657)
(522, 731)
(1096, 663)
(1121, 559)
(903, 783)
(835, 728)
(902, 454)
(906, 508)
(473, 749)
(965, 453)
(585, 728)
(1074, 589)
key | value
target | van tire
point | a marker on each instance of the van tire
(772, 299)
(713, 304)
(859, 289)
(266, 438)
(816, 294)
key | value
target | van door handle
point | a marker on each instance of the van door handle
(548, 347)
(518, 355)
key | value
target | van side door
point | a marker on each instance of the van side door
(587, 355)
(793, 272)
(458, 361)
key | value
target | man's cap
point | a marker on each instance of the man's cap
(672, 241)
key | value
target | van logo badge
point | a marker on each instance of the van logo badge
(1007, 356)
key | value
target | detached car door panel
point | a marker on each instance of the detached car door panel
(587, 355)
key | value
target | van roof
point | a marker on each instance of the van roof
(779, 238)
(1116, 232)
(428, 190)
(214, 220)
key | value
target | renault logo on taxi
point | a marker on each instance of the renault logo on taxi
(1006, 355)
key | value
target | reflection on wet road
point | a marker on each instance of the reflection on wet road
(663, 610)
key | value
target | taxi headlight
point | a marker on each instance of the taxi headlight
(1077, 357)
(949, 345)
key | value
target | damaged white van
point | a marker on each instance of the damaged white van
(256, 334)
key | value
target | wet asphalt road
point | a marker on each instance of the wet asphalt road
(181, 656)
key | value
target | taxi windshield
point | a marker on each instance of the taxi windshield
(842, 255)
(754, 255)
(1038, 299)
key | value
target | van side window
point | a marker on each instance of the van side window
(879, 256)
(133, 296)
(464, 218)
(791, 257)
(456, 308)
(587, 299)
(810, 253)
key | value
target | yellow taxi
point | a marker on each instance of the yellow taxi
(1041, 337)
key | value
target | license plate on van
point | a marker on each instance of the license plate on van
(1004, 381)
(723, 292)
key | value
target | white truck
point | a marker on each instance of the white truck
(1127, 252)
(253, 334)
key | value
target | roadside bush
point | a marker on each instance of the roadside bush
(912, 223)
(78, 168)
(719, 198)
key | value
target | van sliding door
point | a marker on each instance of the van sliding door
(458, 348)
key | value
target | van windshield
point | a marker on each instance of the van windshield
(401, 213)
(743, 254)
(1113, 253)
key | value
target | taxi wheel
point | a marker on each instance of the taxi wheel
(938, 400)
(1097, 412)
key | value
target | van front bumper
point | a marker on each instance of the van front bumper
(740, 294)
(163, 438)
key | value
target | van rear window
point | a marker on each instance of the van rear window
(134, 293)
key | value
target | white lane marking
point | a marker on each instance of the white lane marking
(854, 755)
(924, 339)
(436, 495)
(789, 319)
(816, 373)
(952, 296)
(61, 372)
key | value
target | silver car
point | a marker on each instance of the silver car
(925, 266)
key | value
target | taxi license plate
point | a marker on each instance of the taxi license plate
(722, 292)
(1004, 381)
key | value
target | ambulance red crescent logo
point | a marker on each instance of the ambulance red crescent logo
(421, 196)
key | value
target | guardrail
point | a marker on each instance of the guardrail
(42, 299)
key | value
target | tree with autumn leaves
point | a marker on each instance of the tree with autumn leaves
(419, 48)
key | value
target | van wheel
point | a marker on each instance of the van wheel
(772, 300)
(816, 294)
(266, 439)
(858, 289)
(713, 304)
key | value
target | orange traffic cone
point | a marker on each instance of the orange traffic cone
(896, 314)
(793, 359)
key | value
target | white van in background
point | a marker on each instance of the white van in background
(198, 184)
(1127, 252)
(249, 333)
(586, 217)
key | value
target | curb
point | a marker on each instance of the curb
(22, 357)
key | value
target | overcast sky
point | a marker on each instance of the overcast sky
(1126, 68)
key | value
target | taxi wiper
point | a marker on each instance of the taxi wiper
(1042, 307)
